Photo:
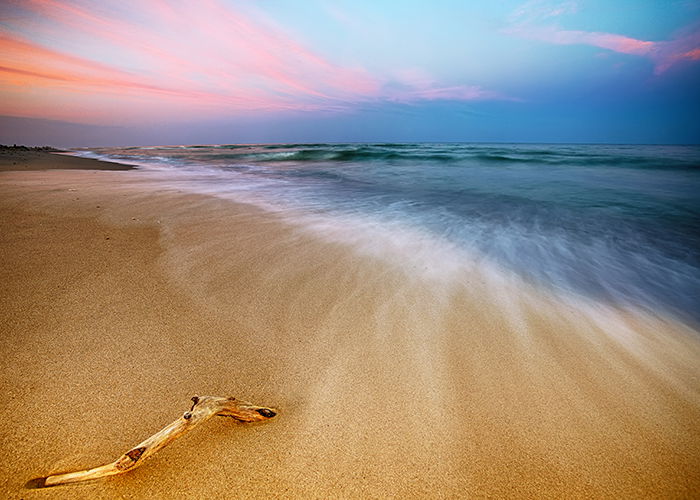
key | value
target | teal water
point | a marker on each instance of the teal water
(616, 223)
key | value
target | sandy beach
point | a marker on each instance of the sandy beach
(18, 160)
(120, 301)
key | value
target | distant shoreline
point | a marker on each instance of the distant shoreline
(23, 158)
(17, 147)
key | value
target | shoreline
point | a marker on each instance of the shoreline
(21, 160)
(123, 301)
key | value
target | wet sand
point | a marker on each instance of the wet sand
(18, 160)
(121, 300)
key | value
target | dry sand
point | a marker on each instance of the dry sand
(120, 301)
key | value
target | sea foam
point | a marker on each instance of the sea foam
(615, 224)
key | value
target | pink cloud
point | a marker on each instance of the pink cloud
(229, 61)
(683, 48)
(23, 57)
(664, 54)
(691, 54)
(610, 41)
(454, 93)
(411, 85)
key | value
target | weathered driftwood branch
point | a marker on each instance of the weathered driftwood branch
(203, 408)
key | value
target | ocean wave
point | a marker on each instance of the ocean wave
(457, 154)
(411, 153)
(617, 223)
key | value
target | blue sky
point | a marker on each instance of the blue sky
(157, 72)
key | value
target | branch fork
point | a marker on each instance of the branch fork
(203, 408)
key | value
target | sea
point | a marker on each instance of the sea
(615, 224)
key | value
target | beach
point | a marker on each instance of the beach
(14, 159)
(121, 300)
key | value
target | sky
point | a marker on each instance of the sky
(139, 72)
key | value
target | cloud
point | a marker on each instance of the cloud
(183, 57)
(684, 48)
(538, 10)
(454, 93)
(526, 23)
(410, 85)
(610, 41)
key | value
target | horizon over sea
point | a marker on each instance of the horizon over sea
(616, 224)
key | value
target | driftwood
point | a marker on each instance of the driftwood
(203, 408)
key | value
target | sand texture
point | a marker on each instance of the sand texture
(121, 300)
(38, 160)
